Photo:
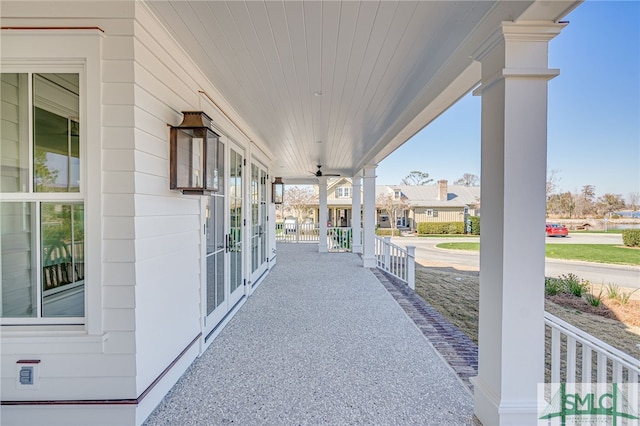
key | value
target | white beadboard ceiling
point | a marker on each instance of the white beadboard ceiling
(340, 84)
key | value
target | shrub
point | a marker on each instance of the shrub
(594, 300)
(441, 228)
(631, 237)
(552, 286)
(613, 291)
(624, 297)
(574, 285)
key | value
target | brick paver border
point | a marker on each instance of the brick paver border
(460, 352)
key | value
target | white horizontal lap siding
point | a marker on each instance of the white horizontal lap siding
(440, 214)
(118, 213)
(168, 224)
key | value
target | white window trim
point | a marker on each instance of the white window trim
(69, 51)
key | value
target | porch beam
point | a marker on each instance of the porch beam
(356, 201)
(322, 215)
(369, 225)
(513, 167)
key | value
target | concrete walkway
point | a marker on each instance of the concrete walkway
(320, 342)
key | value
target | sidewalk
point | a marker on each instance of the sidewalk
(321, 341)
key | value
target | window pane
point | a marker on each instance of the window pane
(62, 260)
(14, 131)
(18, 292)
(56, 133)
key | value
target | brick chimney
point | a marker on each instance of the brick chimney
(443, 190)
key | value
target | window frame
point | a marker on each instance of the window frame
(68, 51)
(36, 199)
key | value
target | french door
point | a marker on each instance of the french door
(259, 255)
(224, 246)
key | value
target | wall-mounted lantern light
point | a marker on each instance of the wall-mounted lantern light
(277, 190)
(194, 154)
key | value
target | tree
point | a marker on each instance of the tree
(416, 178)
(552, 182)
(298, 200)
(632, 201)
(468, 179)
(392, 207)
(585, 205)
(610, 203)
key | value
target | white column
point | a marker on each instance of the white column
(355, 214)
(322, 216)
(513, 168)
(369, 225)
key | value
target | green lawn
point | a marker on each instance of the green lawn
(599, 253)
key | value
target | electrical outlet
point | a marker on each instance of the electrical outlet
(27, 375)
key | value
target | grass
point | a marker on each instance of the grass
(455, 295)
(599, 253)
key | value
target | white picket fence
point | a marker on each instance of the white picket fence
(575, 356)
(397, 261)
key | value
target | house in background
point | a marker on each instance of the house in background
(424, 203)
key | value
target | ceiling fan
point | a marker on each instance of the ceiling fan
(319, 173)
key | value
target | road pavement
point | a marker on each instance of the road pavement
(625, 276)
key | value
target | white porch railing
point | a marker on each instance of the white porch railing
(295, 232)
(575, 356)
(399, 262)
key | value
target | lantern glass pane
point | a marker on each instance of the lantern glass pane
(212, 182)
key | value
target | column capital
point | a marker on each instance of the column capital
(369, 171)
(521, 31)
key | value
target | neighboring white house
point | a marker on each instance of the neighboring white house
(113, 283)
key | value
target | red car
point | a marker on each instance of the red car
(556, 230)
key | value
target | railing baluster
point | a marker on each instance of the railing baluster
(555, 355)
(571, 360)
(587, 364)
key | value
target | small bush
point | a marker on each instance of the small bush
(624, 297)
(631, 237)
(574, 285)
(613, 291)
(594, 300)
(552, 286)
(441, 228)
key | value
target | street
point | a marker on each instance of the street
(625, 276)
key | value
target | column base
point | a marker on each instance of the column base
(323, 248)
(357, 248)
(488, 408)
(369, 262)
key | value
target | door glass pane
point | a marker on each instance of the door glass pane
(18, 291)
(263, 216)
(254, 217)
(62, 260)
(56, 133)
(14, 132)
(215, 252)
(235, 232)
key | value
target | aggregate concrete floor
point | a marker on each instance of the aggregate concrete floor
(320, 342)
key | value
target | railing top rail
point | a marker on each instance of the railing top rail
(397, 247)
(580, 336)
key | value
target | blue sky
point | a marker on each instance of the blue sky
(594, 111)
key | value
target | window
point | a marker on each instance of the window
(429, 212)
(397, 194)
(343, 192)
(42, 204)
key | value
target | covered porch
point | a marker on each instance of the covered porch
(322, 341)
